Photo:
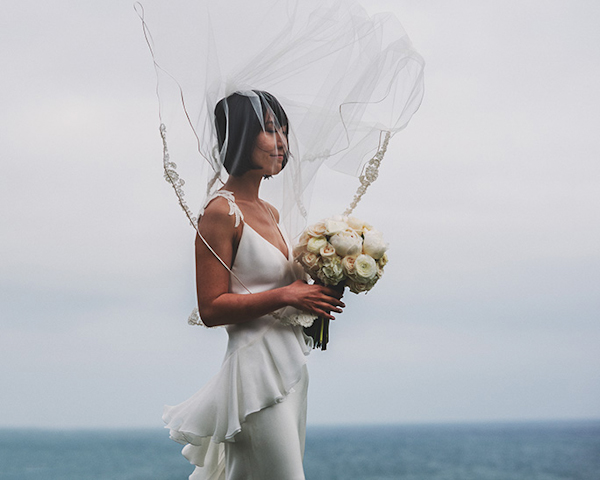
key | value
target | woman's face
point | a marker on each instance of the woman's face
(271, 144)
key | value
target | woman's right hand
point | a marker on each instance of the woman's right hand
(320, 300)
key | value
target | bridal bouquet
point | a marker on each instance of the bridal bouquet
(340, 252)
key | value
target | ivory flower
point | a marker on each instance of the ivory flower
(316, 230)
(347, 242)
(315, 244)
(355, 224)
(357, 287)
(373, 244)
(335, 226)
(366, 268)
(349, 265)
(310, 260)
(327, 251)
(331, 272)
(382, 262)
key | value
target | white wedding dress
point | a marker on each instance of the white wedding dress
(248, 422)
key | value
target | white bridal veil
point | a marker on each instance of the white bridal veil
(344, 78)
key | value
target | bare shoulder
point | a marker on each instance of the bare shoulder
(217, 207)
(216, 219)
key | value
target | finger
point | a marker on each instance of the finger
(324, 314)
(337, 306)
(322, 311)
(328, 307)
(335, 302)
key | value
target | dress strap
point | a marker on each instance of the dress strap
(233, 208)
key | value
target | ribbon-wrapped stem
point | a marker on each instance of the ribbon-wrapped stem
(319, 330)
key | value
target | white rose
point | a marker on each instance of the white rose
(347, 242)
(366, 268)
(335, 226)
(373, 244)
(327, 251)
(315, 244)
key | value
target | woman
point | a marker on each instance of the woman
(249, 421)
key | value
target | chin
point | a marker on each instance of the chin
(275, 170)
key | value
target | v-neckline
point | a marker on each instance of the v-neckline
(287, 246)
(230, 197)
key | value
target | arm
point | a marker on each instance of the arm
(219, 307)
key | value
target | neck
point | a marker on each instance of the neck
(245, 187)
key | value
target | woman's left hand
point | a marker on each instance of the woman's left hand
(320, 300)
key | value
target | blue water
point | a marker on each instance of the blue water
(524, 451)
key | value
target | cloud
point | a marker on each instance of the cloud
(489, 200)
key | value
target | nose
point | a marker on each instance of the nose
(281, 141)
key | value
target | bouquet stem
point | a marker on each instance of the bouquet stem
(319, 330)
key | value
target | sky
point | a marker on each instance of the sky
(489, 308)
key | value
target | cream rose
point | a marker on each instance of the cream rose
(373, 244)
(347, 242)
(349, 265)
(366, 268)
(355, 224)
(382, 262)
(310, 260)
(327, 251)
(315, 244)
(317, 230)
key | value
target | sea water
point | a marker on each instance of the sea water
(502, 451)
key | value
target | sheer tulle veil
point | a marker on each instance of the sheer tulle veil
(347, 81)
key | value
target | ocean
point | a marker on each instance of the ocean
(500, 451)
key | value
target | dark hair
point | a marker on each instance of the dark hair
(236, 119)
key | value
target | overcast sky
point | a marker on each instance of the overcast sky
(490, 200)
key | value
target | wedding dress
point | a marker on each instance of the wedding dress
(249, 421)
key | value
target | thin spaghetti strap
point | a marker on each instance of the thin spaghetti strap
(279, 230)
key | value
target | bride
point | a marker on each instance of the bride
(350, 81)
(249, 421)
